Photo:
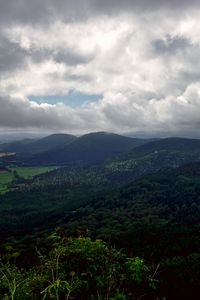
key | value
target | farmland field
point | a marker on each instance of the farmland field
(29, 172)
(6, 177)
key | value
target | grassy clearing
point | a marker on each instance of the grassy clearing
(29, 172)
(6, 177)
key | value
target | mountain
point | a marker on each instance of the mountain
(16, 146)
(90, 148)
(8, 137)
(156, 155)
(160, 208)
(37, 146)
(155, 217)
(168, 144)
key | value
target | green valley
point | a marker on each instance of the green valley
(138, 208)
(12, 173)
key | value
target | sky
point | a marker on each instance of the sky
(100, 65)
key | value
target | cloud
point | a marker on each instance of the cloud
(12, 57)
(36, 12)
(71, 57)
(171, 45)
(115, 112)
(142, 56)
(20, 113)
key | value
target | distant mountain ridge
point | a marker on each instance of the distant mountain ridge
(119, 152)
(89, 148)
(169, 144)
(156, 155)
(41, 145)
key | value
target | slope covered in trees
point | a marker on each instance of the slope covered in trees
(41, 145)
(153, 210)
(90, 148)
(156, 155)
(151, 215)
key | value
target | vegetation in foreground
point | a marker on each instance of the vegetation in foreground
(78, 268)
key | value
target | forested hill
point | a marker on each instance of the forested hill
(139, 155)
(41, 145)
(156, 155)
(119, 152)
(168, 144)
(156, 209)
(155, 217)
(157, 201)
(139, 195)
(90, 148)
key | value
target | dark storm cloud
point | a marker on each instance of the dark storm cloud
(37, 11)
(21, 114)
(149, 5)
(63, 55)
(16, 113)
(170, 45)
(12, 56)
(46, 11)
(72, 57)
(23, 11)
(50, 47)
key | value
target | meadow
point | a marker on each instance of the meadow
(6, 177)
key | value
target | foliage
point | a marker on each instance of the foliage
(154, 219)
(5, 178)
(79, 268)
(14, 174)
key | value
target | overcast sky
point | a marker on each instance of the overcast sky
(100, 65)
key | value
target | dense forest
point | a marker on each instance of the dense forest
(124, 226)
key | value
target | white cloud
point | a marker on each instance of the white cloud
(145, 64)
